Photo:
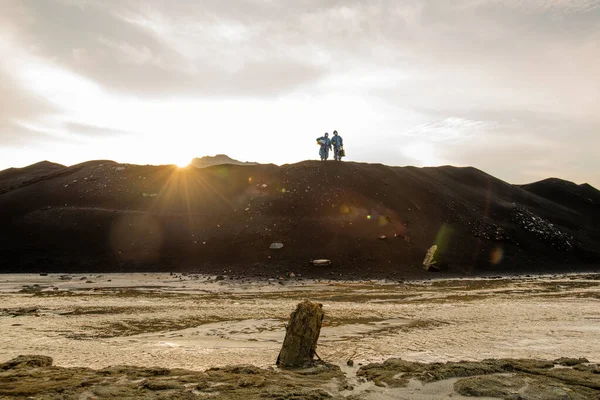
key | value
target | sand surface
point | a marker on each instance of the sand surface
(190, 322)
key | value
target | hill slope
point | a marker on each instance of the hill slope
(219, 159)
(16, 177)
(369, 219)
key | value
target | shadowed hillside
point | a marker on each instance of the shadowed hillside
(219, 159)
(368, 219)
(15, 177)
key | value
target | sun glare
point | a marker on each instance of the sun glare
(183, 164)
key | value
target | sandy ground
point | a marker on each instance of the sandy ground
(196, 322)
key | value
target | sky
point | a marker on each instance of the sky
(508, 86)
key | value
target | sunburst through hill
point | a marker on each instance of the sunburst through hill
(368, 220)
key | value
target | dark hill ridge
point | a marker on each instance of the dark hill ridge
(369, 219)
(15, 177)
(567, 193)
(219, 159)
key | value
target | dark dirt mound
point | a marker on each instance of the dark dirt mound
(13, 178)
(368, 219)
(584, 196)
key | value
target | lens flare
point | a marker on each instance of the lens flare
(443, 237)
(496, 256)
(369, 216)
(382, 220)
(344, 209)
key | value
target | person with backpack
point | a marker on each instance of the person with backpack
(338, 146)
(325, 144)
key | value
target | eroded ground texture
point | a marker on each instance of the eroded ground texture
(191, 336)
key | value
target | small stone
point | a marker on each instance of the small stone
(276, 246)
(350, 363)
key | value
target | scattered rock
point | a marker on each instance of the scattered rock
(542, 229)
(27, 361)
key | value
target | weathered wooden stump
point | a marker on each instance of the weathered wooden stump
(301, 336)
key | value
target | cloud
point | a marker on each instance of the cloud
(468, 81)
(93, 130)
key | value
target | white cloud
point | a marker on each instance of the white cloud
(464, 82)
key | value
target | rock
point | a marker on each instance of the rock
(382, 237)
(569, 362)
(32, 361)
(220, 278)
(31, 289)
(428, 262)
(43, 274)
(155, 384)
(321, 262)
(350, 363)
(301, 336)
(276, 246)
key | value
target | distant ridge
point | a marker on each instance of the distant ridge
(219, 159)
(566, 193)
(15, 177)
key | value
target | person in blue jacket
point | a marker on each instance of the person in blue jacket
(325, 144)
(338, 143)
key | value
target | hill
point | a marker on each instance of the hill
(16, 177)
(219, 159)
(368, 219)
(567, 193)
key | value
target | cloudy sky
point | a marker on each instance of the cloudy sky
(509, 86)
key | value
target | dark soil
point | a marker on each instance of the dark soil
(370, 220)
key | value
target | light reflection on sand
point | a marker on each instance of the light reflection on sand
(194, 323)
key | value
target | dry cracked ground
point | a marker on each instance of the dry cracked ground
(192, 336)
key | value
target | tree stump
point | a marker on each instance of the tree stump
(301, 336)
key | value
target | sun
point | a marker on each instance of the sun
(183, 164)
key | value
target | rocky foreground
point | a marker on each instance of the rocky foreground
(565, 378)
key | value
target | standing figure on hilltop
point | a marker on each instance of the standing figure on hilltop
(338, 146)
(325, 144)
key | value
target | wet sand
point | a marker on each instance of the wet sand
(196, 322)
